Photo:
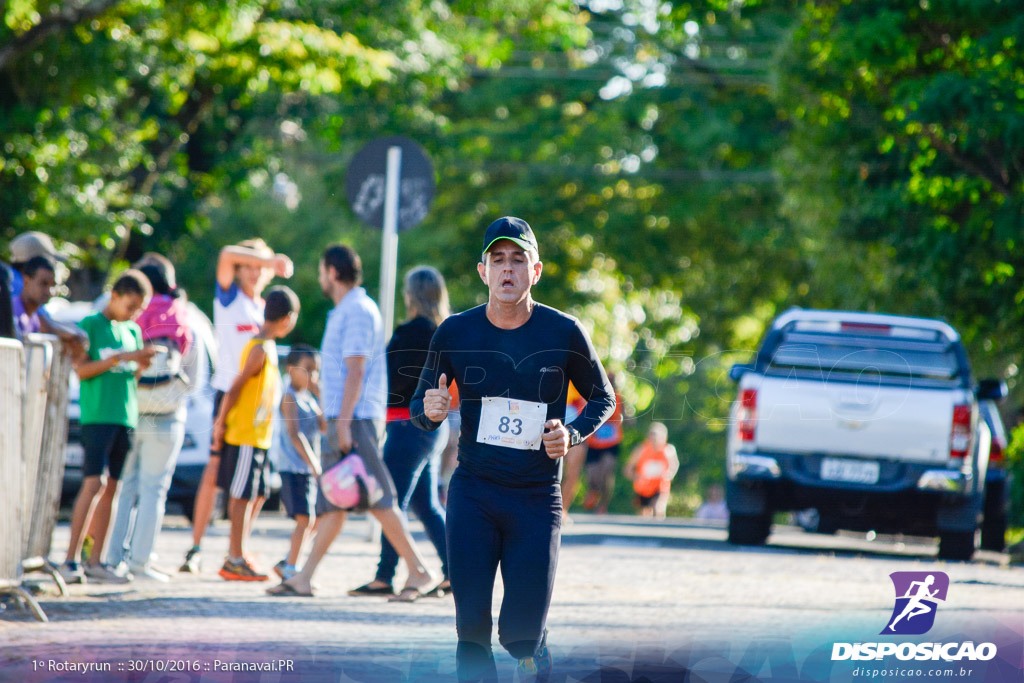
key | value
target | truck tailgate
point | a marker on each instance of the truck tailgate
(802, 416)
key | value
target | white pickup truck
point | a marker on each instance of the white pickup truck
(872, 420)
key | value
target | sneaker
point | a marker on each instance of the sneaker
(101, 573)
(532, 670)
(285, 570)
(535, 669)
(148, 573)
(543, 656)
(240, 571)
(590, 500)
(87, 545)
(72, 572)
(192, 562)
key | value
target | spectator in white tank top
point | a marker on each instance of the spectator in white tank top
(243, 271)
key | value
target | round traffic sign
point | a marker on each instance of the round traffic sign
(366, 181)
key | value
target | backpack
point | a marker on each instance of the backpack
(163, 386)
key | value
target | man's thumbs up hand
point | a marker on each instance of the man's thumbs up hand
(436, 402)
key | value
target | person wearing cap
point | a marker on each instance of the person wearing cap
(26, 246)
(513, 359)
(37, 282)
(32, 279)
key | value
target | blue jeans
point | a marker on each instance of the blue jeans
(520, 530)
(144, 483)
(413, 457)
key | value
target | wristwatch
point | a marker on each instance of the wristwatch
(574, 436)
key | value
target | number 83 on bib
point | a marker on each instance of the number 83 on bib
(512, 423)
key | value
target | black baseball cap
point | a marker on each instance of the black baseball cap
(510, 228)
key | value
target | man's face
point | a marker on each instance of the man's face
(509, 272)
(38, 289)
(324, 278)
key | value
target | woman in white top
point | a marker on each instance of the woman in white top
(243, 270)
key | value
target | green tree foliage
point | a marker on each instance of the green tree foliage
(692, 169)
(908, 149)
(655, 200)
(121, 118)
(909, 118)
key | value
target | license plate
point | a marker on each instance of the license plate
(857, 471)
(75, 456)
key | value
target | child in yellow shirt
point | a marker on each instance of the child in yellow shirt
(243, 427)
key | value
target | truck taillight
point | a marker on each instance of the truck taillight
(995, 453)
(748, 414)
(960, 437)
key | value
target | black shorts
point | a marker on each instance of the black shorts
(594, 455)
(217, 398)
(106, 447)
(243, 472)
(646, 501)
(298, 493)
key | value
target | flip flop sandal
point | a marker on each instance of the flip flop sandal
(440, 590)
(283, 590)
(407, 595)
(369, 590)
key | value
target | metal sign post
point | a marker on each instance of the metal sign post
(389, 185)
(389, 242)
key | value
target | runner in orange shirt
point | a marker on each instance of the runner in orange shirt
(602, 459)
(652, 466)
(572, 467)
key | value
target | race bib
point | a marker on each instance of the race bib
(512, 423)
(652, 469)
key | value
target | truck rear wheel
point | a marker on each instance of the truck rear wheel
(956, 545)
(993, 533)
(749, 529)
(993, 521)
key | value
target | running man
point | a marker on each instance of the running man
(915, 606)
(513, 359)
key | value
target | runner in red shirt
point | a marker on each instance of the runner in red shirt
(602, 460)
(652, 466)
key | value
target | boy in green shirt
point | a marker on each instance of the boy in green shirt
(110, 411)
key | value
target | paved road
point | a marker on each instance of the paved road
(632, 597)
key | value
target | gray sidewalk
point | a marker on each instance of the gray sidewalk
(626, 590)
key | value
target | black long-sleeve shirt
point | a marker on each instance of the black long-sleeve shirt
(534, 362)
(407, 353)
